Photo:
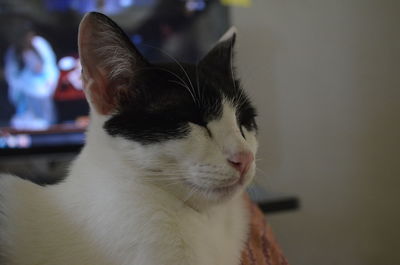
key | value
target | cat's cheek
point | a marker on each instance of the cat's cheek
(251, 140)
(135, 154)
(193, 147)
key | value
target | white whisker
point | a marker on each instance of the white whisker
(198, 84)
(176, 61)
(188, 89)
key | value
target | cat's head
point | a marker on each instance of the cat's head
(190, 129)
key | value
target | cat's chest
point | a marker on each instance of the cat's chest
(115, 230)
(216, 237)
(168, 236)
(220, 240)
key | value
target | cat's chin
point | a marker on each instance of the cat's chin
(218, 192)
(204, 197)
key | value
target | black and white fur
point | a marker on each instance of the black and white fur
(154, 183)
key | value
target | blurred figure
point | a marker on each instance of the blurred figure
(31, 73)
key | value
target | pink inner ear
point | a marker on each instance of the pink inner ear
(94, 79)
(104, 101)
(102, 97)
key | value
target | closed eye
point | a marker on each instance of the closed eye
(208, 132)
(250, 124)
(246, 118)
(241, 131)
(203, 126)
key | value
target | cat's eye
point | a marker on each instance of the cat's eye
(204, 126)
(208, 131)
(241, 131)
(251, 124)
(246, 118)
(248, 122)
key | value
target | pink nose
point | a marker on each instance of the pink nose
(241, 162)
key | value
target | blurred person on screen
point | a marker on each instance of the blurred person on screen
(31, 73)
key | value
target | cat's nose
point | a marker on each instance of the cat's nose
(241, 162)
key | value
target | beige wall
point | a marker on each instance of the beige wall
(326, 78)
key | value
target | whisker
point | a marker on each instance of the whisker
(190, 195)
(261, 170)
(251, 190)
(175, 60)
(256, 182)
(160, 177)
(188, 89)
(168, 71)
(183, 81)
(198, 84)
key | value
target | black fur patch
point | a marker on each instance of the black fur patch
(166, 99)
(162, 104)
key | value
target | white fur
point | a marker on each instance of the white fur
(125, 203)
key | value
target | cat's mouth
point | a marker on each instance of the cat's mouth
(220, 191)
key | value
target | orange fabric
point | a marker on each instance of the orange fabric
(261, 247)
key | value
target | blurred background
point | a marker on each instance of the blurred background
(325, 75)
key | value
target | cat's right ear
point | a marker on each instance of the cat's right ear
(109, 61)
(221, 56)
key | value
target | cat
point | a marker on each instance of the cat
(160, 181)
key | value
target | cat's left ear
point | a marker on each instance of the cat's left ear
(109, 62)
(221, 55)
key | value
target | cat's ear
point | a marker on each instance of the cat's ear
(221, 55)
(109, 61)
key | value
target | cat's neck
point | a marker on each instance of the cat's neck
(99, 154)
(95, 134)
(104, 170)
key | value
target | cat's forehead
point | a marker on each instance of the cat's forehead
(191, 83)
(169, 97)
(187, 92)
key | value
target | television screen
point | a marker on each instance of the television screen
(42, 103)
